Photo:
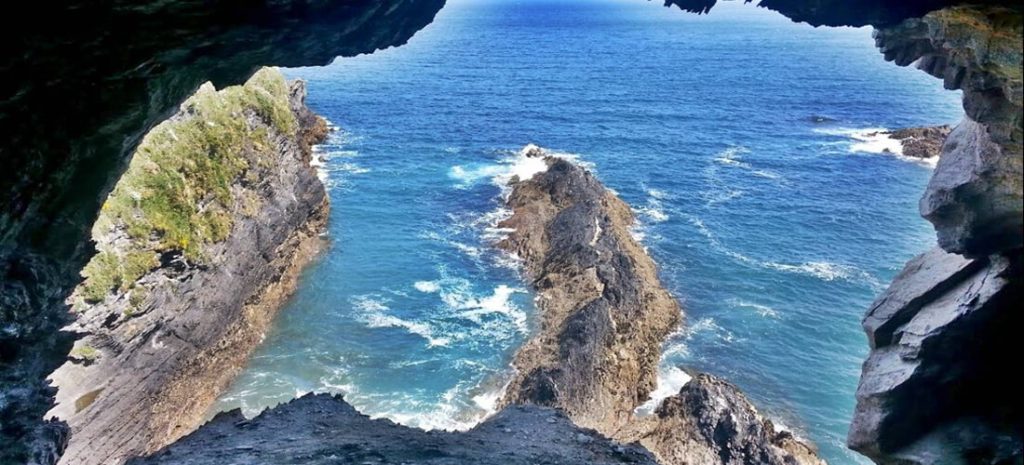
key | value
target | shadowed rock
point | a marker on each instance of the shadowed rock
(324, 430)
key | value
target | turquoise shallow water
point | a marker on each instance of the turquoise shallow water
(775, 227)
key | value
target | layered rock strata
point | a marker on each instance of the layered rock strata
(198, 244)
(604, 316)
(323, 430)
(934, 388)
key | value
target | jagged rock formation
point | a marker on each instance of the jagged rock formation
(199, 243)
(934, 388)
(975, 196)
(923, 142)
(603, 312)
(320, 429)
(711, 422)
(604, 316)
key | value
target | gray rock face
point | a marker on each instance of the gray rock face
(935, 389)
(604, 313)
(975, 197)
(147, 368)
(324, 430)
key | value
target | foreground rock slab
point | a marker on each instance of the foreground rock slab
(934, 389)
(322, 430)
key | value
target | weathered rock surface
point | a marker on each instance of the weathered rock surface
(975, 196)
(320, 429)
(935, 388)
(603, 312)
(156, 352)
(604, 316)
(711, 422)
(925, 142)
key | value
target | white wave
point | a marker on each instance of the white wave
(873, 140)
(823, 270)
(716, 197)
(657, 194)
(473, 308)
(653, 212)
(374, 316)
(762, 310)
(428, 287)
(670, 380)
(731, 156)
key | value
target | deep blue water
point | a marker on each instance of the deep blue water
(774, 231)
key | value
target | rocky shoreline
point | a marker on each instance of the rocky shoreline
(159, 342)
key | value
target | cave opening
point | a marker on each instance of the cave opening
(760, 183)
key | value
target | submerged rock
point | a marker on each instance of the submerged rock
(325, 430)
(198, 245)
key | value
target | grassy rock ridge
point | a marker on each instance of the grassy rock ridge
(198, 244)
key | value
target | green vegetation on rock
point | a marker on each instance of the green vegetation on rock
(176, 194)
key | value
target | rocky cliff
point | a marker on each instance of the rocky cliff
(603, 318)
(934, 388)
(197, 246)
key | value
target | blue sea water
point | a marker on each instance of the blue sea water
(740, 138)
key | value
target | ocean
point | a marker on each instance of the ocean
(742, 140)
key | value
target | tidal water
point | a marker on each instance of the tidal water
(741, 139)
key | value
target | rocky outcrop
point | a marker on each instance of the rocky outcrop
(711, 422)
(934, 388)
(924, 142)
(322, 430)
(195, 255)
(604, 316)
(603, 312)
(975, 196)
